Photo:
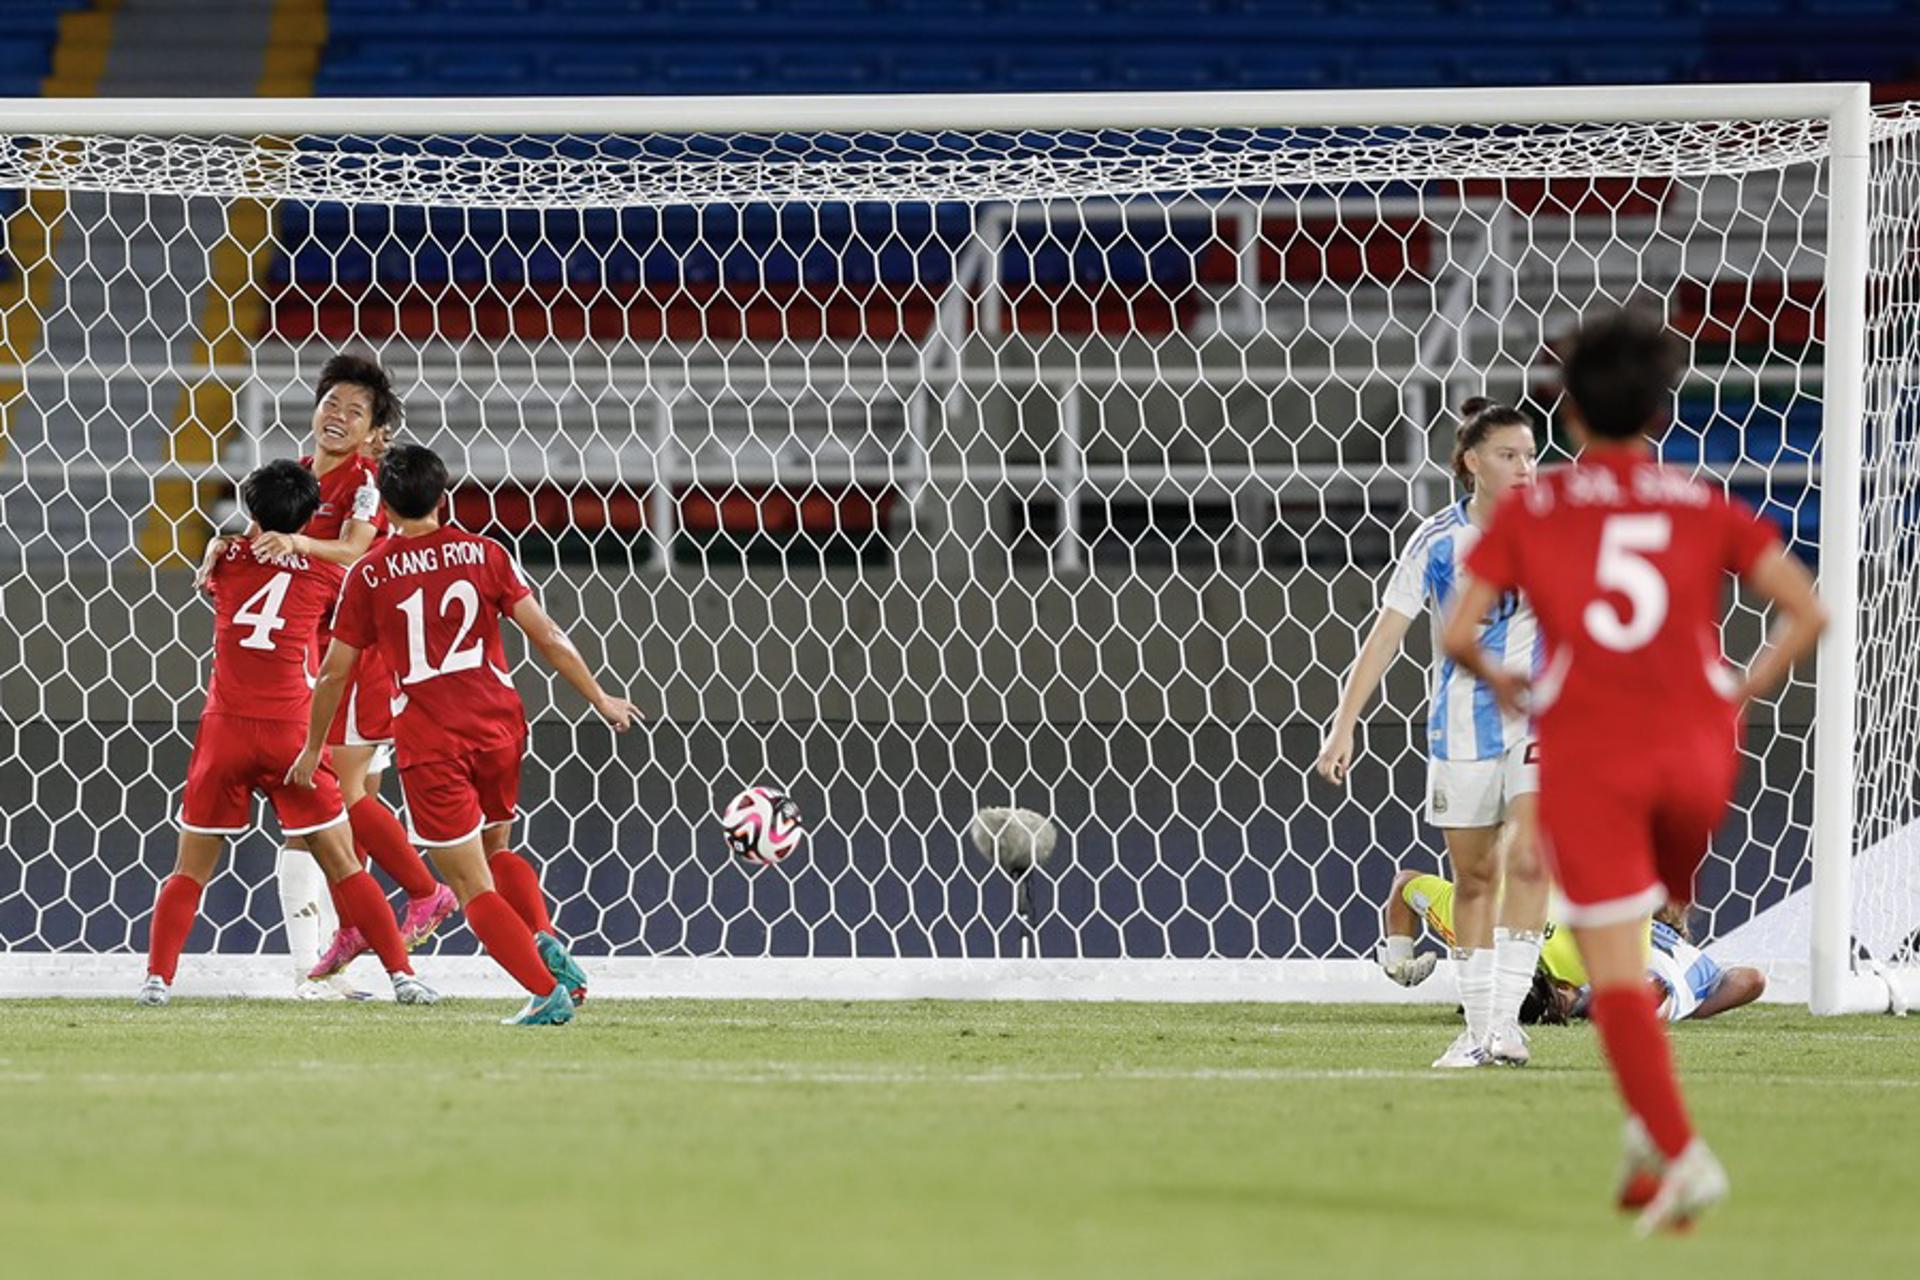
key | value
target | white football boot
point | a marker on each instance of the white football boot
(408, 989)
(1465, 1052)
(1695, 1182)
(1507, 1045)
(153, 992)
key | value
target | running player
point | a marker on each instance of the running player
(355, 409)
(1690, 983)
(431, 599)
(1481, 773)
(1639, 716)
(266, 611)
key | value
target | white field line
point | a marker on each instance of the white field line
(865, 1074)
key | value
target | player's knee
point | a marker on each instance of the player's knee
(1480, 880)
(1749, 984)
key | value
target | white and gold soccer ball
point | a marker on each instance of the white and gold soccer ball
(762, 825)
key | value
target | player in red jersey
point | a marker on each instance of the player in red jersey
(431, 599)
(1638, 713)
(354, 409)
(257, 706)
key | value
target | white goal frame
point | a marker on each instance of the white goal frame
(1832, 985)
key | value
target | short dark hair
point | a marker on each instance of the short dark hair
(412, 481)
(1620, 372)
(365, 373)
(1542, 1003)
(281, 495)
(1480, 418)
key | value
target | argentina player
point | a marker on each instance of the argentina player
(1482, 772)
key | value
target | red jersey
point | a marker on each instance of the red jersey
(1625, 562)
(266, 614)
(348, 492)
(432, 605)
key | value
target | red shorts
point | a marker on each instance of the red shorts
(365, 717)
(1623, 836)
(453, 800)
(233, 759)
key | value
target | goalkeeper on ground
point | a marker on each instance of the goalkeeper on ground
(1687, 982)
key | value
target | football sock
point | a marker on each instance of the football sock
(1516, 954)
(1476, 989)
(508, 940)
(173, 913)
(375, 826)
(361, 904)
(302, 889)
(519, 884)
(1636, 1045)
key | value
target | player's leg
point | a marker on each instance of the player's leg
(1474, 853)
(358, 899)
(377, 831)
(444, 804)
(175, 907)
(497, 778)
(303, 899)
(517, 882)
(1522, 918)
(1738, 987)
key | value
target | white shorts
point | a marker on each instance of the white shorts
(1477, 793)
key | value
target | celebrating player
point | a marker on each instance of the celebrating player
(1625, 561)
(1481, 774)
(266, 612)
(431, 599)
(1689, 982)
(354, 410)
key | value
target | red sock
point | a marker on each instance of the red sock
(508, 940)
(173, 913)
(1636, 1044)
(519, 884)
(375, 827)
(360, 903)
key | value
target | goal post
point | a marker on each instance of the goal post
(937, 454)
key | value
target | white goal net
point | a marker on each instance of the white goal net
(919, 470)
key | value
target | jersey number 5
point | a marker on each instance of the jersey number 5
(419, 668)
(1625, 543)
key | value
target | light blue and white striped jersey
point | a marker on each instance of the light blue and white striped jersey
(1464, 722)
(1688, 973)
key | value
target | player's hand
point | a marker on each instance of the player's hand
(269, 545)
(300, 773)
(1412, 971)
(203, 576)
(619, 713)
(1336, 756)
(1512, 690)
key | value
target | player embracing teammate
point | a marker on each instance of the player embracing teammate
(1638, 715)
(429, 599)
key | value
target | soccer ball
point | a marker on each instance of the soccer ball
(762, 825)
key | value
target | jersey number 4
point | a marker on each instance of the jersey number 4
(261, 611)
(1625, 544)
(419, 667)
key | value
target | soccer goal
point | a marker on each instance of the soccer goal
(926, 456)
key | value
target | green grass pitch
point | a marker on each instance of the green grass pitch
(917, 1140)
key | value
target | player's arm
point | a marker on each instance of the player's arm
(1369, 668)
(203, 576)
(355, 537)
(1400, 926)
(1460, 640)
(1783, 582)
(335, 670)
(545, 635)
(1740, 985)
